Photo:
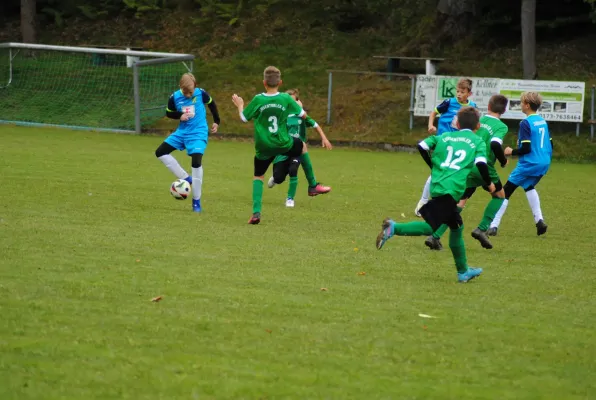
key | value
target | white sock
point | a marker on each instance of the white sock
(169, 161)
(500, 213)
(197, 182)
(426, 191)
(534, 202)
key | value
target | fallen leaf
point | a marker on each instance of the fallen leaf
(268, 330)
(138, 260)
(403, 215)
(362, 273)
(355, 248)
(424, 327)
(323, 289)
(156, 299)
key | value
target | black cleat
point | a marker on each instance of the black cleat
(541, 227)
(433, 243)
(482, 238)
(492, 232)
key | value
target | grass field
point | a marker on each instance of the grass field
(89, 235)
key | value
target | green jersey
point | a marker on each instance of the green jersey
(454, 155)
(270, 112)
(491, 130)
(297, 128)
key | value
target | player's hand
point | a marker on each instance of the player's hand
(508, 151)
(184, 117)
(505, 164)
(214, 128)
(432, 129)
(238, 101)
(491, 188)
(326, 144)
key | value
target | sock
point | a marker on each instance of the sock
(443, 228)
(169, 161)
(308, 170)
(197, 182)
(458, 249)
(534, 202)
(497, 221)
(426, 191)
(292, 187)
(493, 206)
(257, 195)
(415, 228)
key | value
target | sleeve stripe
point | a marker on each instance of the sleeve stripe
(526, 141)
(437, 111)
(480, 160)
(498, 140)
(424, 145)
(315, 125)
(168, 110)
(210, 100)
(242, 117)
(302, 112)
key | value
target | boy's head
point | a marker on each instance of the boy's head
(188, 84)
(468, 118)
(271, 77)
(295, 93)
(463, 89)
(531, 101)
(498, 104)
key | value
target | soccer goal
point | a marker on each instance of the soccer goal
(86, 87)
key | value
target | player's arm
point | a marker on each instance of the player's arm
(212, 107)
(524, 139)
(171, 111)
(311, 123)
(296, 108)
(248, 113)
(440, 109)
(425, 147)
(496, 146)
(480, 162)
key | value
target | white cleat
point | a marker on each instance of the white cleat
(421, 204)
(290, 203)
(270, 183)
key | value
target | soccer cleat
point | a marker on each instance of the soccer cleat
(492, 231)
(386, 233)
(255, 219)
(270, 183)
(541, 227)
(188, 179)
(421, 204)
(470, 274)
(318, 189)
(433, 243)
(196, 205)
(290, 203)
(482, 237)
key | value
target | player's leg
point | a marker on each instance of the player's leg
(299, 149)
(512, 183)
(163, 154)
(425, 197)
(480, 233)
(281, 166)
(465, 273)
(433, 242)
(534, 202)
(260, 168)
(293, 174)
(314, 188)
(195, 147)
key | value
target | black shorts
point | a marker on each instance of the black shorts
(296, 150)
(261, 166)
(442, 210)
(284, 168)
(470, 191)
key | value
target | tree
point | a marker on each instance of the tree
(28, 19)
(528, 29)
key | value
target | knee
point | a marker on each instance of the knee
(163, 150)
(196, 160)
(294, 169)
(279, 176)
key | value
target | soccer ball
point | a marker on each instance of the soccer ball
(180, 189)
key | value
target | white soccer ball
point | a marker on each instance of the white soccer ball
(180, 189)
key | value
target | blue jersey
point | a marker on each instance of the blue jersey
(448, 114)
(195, 107)
(534, 129)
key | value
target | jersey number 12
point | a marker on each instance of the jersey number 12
(449, 162)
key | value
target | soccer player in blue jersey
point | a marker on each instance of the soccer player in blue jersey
(188, 106)
(447, 112)
(535, 150)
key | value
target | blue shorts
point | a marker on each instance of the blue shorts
(520, 178)
(193, 143)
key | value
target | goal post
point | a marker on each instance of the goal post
(86, 87)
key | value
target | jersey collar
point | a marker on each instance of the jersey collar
(270, 94)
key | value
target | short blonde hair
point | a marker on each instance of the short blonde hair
(272, 76)
(188, 83)
(534, 99)
(294, 92)
(465, 83)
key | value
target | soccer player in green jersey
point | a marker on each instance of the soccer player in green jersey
(284, 166)
(492, 131)
(270, 112)
(454, 155)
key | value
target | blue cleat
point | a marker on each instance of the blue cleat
(470, 274)
(385, 234)
(196, 205)
(188, 179)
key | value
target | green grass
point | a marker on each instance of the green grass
(89, 235)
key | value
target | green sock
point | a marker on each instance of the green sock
(308, 170)
(415, 228)
(293, 187)
(490, 211)
(257, 195)
(443, 228)
(458, 249)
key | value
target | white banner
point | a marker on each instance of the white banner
(562, 101)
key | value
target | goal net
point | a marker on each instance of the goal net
(92, 88)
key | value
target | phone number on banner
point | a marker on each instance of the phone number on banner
(561, 117)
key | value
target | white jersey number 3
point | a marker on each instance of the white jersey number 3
(273, 120)
(449, 162)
